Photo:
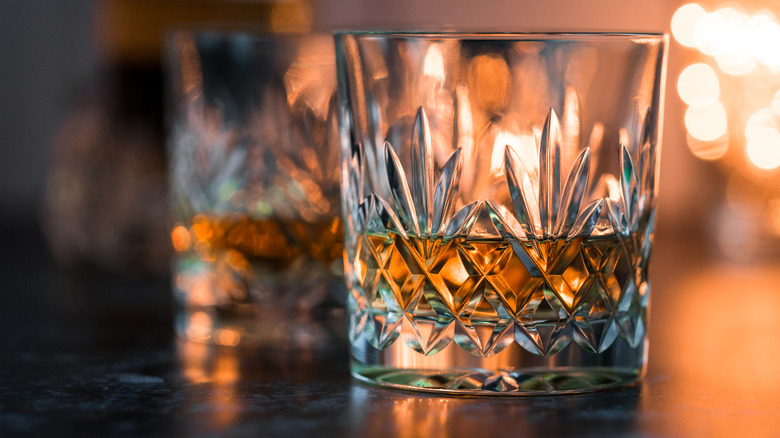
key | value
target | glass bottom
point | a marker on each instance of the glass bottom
(512, 372)
(245, 325)
(258, 307)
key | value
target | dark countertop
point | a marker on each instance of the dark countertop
(93, 354)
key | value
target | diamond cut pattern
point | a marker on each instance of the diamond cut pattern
(552, 273)
(482, 297)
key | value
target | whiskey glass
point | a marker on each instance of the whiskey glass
(254, 187)
(499, 195)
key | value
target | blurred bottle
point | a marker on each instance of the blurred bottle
(105, 202)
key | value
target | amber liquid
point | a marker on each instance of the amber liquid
(483, 285)
(257, 280)
(241, 241)
(494, 315)
(564, 264)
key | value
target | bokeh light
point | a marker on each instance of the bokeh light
(199, 327)
(707, 122)
(765, 39)
(733, 86)
(227, 337)
(738, 41)
(684, 21)
(762, 118)
(698, 85)
(708, 150)
(707, 28)
(736, 63)
(180, 237)
(776, 103)
(763, 148)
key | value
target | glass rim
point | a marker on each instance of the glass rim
(502, 36)
(243, 30)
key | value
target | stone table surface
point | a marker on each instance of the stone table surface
(93, 354)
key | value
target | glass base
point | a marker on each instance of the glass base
(513, 372)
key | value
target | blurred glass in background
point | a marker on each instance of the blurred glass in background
(105, 203)
(253, 150)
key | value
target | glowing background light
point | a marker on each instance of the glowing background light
(766, 39)
(733, 87)
(774, 215)
(199, 327)
(698, 85)
(707, 122)
(736, 63)
(708, 150)
(776, 103)
(683, 22)
(763, 148)
(727, 31)
(762, 118)
(743, 45)
(704, 31)
(180, 236)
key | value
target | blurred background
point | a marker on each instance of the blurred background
(81, 106)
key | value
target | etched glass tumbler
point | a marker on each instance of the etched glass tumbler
(499, 197)
(254, 188)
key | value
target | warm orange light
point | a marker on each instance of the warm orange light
(226, 369)
(309, 80)
(737, 62)
(227, 337)
(703, 303)
(703, 31)
(684, 21)
(489, 82)
(623, 137)
(698, 85)
(433, 64)
(180, 237)
(194, 356)
(236, 261)
(731, 41)
(774, 215)
(708, 150)
(738, 41)
(706, 123)
(765, 36)
(763, 148)
(291, 17)
(199, 287)
(612, 185)
(762, 118)
(216, 370)
(201, 228)
(523, 145)
(199, 327)
(719, 32)
(776, 103)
